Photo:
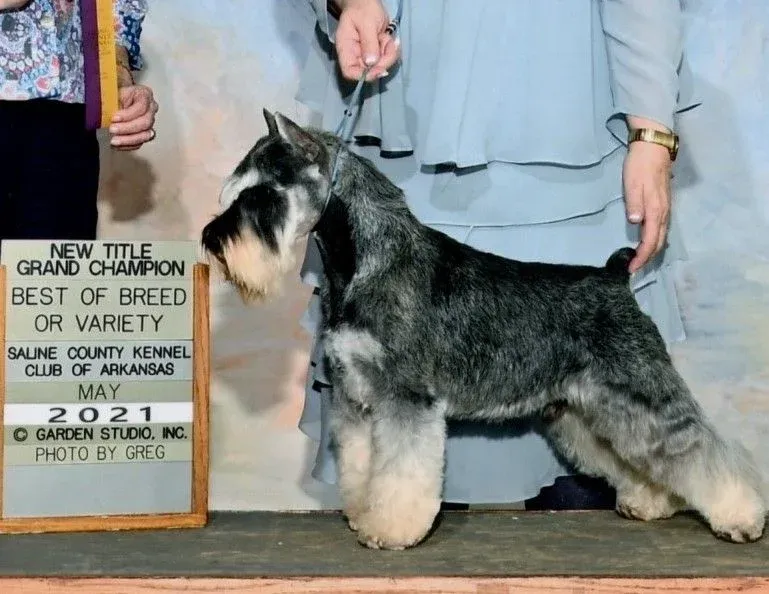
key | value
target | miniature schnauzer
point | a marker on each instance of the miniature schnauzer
(420, 328)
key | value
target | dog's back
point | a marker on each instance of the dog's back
(518, 326)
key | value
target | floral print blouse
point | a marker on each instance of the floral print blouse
(41, 53)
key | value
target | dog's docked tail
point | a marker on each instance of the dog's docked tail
(618, 262)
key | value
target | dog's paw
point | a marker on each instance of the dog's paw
(392, 540)
(352, 523)
(739, 516)
(741, 534)
(740, 528)
(353, 508)
(376, 542)
(397, 531)
(647, 502)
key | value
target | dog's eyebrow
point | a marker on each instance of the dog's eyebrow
(255, 191)
(245, 178)
(267, 194)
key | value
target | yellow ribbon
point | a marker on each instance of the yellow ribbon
(107, 60)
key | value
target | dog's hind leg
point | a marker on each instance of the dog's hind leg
(350, 427)
(658, 428)
(406, 480)
(637, 497)
(715, 477)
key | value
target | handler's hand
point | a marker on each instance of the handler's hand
(646, 179)
(12, 4)
(362, 39)
(132, 125)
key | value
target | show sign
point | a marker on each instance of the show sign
(104, 387)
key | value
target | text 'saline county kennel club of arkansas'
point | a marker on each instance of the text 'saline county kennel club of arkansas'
(419, 328)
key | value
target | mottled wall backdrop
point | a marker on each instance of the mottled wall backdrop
(215, 63)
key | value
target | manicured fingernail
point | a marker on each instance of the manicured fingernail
(635, 218)
(371, 59)
(385, 73)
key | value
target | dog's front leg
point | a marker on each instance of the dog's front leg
(351, 431)
(406, 482)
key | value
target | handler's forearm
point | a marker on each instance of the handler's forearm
(635, 122)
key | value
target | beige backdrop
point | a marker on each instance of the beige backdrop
(215, 63)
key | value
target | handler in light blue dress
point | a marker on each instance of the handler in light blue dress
(504, 123)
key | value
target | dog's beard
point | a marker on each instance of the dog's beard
(254, 269)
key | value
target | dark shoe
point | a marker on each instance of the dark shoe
(576, 492)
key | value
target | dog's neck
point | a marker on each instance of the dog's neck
(365, 220)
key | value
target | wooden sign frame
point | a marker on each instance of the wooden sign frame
(201, 359)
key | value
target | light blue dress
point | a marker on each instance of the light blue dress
(503, 123)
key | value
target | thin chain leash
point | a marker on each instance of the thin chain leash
(345, 128)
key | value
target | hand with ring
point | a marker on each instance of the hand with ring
(365, 38)
(133, 124)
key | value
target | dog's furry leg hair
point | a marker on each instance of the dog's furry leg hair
(350, 426)
(406, 481)
(656, 427)
(637, 497)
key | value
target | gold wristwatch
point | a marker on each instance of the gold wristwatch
(667, 139)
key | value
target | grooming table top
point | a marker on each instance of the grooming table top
(465, 544)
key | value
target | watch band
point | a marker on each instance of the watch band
(667, 139)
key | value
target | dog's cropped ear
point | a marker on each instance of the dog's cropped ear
(272, 125)
(298, 137)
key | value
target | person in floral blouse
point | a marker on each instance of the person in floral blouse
(49, 160)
